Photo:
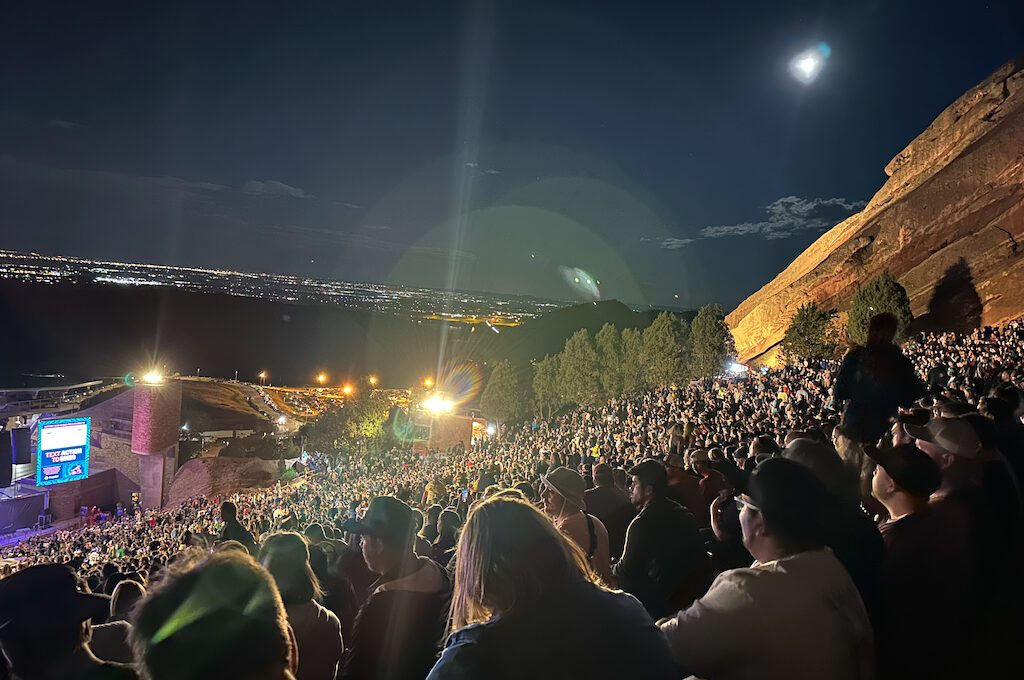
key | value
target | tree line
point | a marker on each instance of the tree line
(612, 363)
(814, 333)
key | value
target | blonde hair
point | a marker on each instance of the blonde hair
(510, 555)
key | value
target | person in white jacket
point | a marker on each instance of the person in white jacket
(795, 613)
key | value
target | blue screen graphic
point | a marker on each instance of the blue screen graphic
(62, 454)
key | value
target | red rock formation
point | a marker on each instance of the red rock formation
(220, 477)
(950, 217)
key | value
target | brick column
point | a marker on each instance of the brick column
(156, 419)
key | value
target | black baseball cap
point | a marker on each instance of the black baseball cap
(45, 592)
(650, 471)
(386, 517)
(912, 469)
(791, 500)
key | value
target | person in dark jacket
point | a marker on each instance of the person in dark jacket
(233, 530)
(528, 605)
(663, 564)
(612, 506)
(398, 632)
(875, 381)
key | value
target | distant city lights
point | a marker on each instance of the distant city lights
(420, 304)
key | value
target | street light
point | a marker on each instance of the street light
(428, 382)
(346, 390)
(372, 380)
(263, 376)
(322, 378)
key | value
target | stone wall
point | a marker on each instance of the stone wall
(156, 419)
(116, 452)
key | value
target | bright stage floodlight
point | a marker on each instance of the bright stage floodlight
(435, 403)
(153, 378)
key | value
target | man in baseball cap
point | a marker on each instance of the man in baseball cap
(44, 625)
(664, 554)
(904, 480)
(924, 583)
(946, 436)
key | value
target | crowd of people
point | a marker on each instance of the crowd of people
(852, 520)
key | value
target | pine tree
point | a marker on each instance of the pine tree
(580, 370)
(634, 368)
(711, 342)
(812, 334)
(504, 399)
(547, 390)
(882, 294)
(608, 343)
(665, 350)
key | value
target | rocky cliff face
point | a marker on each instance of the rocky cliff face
(948, 223)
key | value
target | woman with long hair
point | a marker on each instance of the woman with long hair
(528, 604)
(317, 630)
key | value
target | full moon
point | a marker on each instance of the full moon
(807, 65)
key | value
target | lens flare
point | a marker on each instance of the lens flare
(402, 426)
(462, 383)
(583, 284)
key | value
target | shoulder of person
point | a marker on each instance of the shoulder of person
(326, 615)
(463, 657)
(853, 353)
(738, 584)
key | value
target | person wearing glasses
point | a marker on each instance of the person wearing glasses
(795, 613)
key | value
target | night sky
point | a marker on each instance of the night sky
(661, 147)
